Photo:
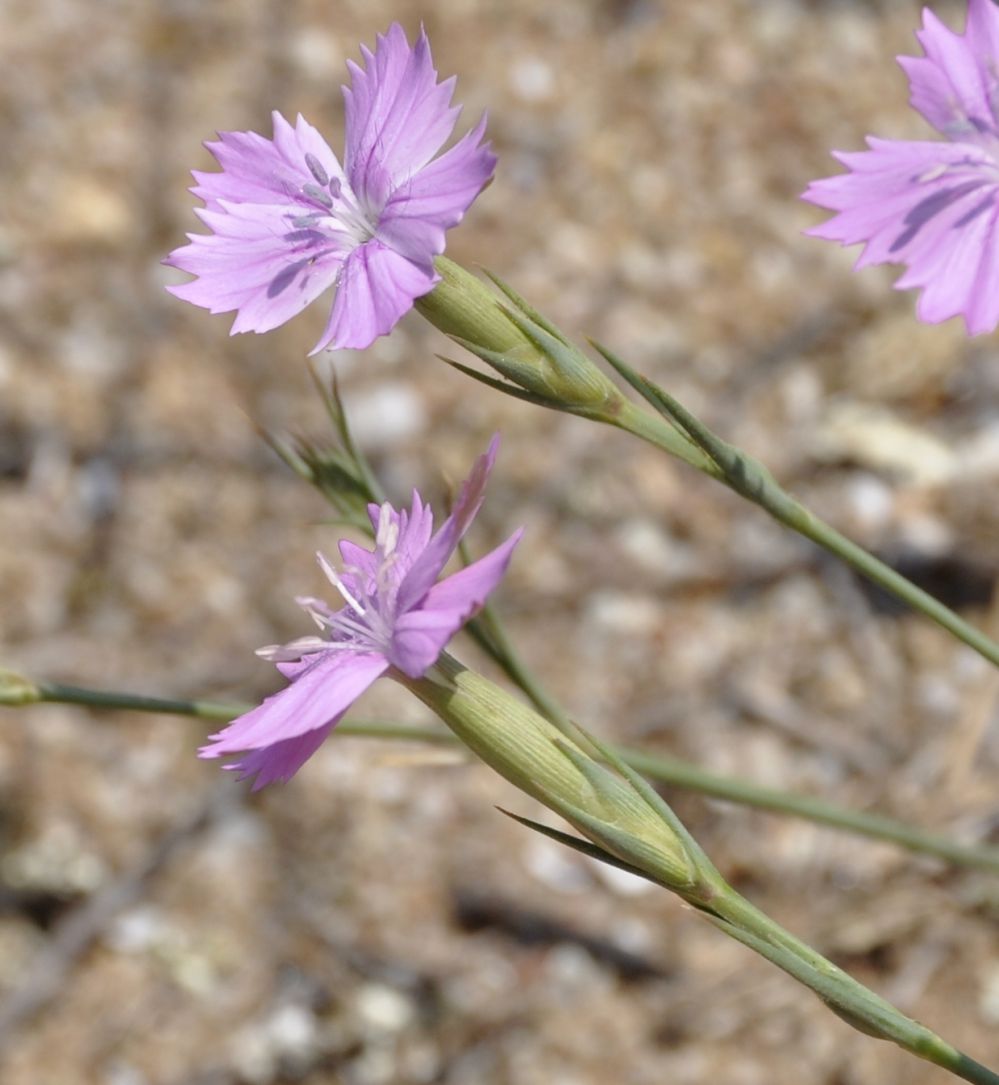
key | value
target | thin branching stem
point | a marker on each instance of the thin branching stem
(748, 477)
(664, 770)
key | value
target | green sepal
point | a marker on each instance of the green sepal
(584, 847)
(538, 333)
(656, 863)
(705, 869)
(575, 381)
(491, 382)
(525, 307)
(609, 789)
(559, 370)
(525, 375)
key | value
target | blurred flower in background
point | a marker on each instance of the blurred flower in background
(932, 205)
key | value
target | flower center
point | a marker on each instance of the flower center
(337, 212)
(367, 622)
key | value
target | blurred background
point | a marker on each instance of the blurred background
(376, 920)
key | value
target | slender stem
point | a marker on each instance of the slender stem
(972, 1070)
(677, 773)
(490, 633)
(57, 693)
(750, 479)
(684, 775)
(850, 999)
(796, 516)
(400, 732)
(665, 770)
(657, 431)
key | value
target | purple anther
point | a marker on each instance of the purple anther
(316, 169)
(314, 192)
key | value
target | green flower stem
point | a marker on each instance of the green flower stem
(749, 478)
(463, 307)
(681, 774)
(539, 364)
(617, 810)
(656, 431)
(490, 633)
(664, 770)
(845, 996)
(794, 515)
(791, 513)
(856, 1004)
(57, 693)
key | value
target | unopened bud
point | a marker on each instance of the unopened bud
(520, 344)
(536, 757)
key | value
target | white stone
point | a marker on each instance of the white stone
(386, 414)
(383, 1008)
(532, 79)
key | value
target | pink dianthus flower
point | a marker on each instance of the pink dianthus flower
(397, 616)
(288, 222)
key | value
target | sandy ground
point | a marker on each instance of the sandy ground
(377, 921)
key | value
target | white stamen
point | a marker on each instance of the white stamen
(933, 173)
(387, 535)
(316, 609)
(334, 578)
(358, 629)
(293, 651)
